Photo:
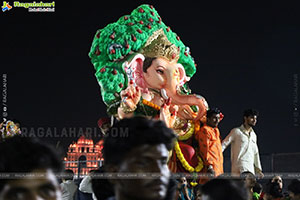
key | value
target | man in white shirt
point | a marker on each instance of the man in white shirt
(68, 187)
(86, 185)
(244, 150)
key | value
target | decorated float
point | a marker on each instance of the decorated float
(143, 68)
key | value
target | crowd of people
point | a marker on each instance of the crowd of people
(135, 168)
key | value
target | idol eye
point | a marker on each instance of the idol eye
(160, 71)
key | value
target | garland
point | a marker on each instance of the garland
(193, 183)
(150, 104)
(184, 163)
(179, 154)
(197, 126)
(189, 133)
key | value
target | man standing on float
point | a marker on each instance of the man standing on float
(244, 149)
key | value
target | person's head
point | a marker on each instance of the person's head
(278, 179)
(224, 189)
(69, 174)
(104, 124)
(249, 179)
(257, 188)
(182, 182)
(172, 189)
(138, 145)
(91, 172)
(213, 117)
(294, 189)
(26, 155)
(102, 188)
(197, 192)
(250, 117)
(272, 190)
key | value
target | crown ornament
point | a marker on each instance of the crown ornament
(158, 45)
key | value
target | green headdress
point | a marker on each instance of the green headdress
(113, 44)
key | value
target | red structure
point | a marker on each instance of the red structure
(84, 155)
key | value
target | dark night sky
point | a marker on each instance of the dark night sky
(247, 55)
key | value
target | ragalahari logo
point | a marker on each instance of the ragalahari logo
(6, 6)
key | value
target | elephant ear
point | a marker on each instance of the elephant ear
(183, 77)
(134, 71)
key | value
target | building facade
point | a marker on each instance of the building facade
(84, 156)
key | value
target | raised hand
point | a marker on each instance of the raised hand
(168, 113)
(186, 112)
(131, 95)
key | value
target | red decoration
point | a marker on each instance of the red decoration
(102, 121)
(114, 72)
(102, 70)
(173, 55)
(141, 22)
(127, 46)
(112, 51)
(125, 17)
(121, 85)
(141, 10)
(98, 35)
(169, 101)
(97, 52)
(152, 13)
(130, 24)
(159, 20)
(178, 38)
(149, 26)
(151, 6)
(185, 53)
(112, 36)
(131, 81)
(168, 29)
(133, 37)
(150, 19)
(221, 116)
(139, 30)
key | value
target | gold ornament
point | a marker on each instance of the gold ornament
(126, 109)
(158, 45)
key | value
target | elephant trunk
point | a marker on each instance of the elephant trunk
(192, 99)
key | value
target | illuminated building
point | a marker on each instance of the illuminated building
(84, 155)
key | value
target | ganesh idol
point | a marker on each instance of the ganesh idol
(143, 68)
